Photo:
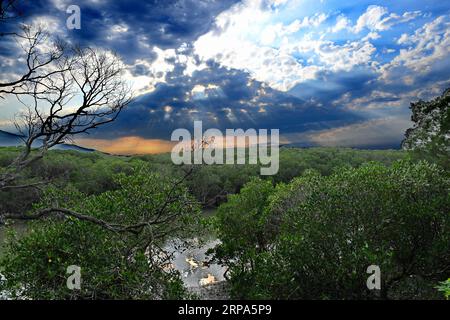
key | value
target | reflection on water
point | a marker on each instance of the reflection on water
(193, 265)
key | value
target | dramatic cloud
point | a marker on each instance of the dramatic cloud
(320, 71)
(221, 98)
(423, 50)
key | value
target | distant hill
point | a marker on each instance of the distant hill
(389, 146)
(74, 147)
(8, 139)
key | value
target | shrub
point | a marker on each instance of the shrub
(444, 287)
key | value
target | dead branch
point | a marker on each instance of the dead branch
(84, 91)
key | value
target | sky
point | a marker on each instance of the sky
(325, 73)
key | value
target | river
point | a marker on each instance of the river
(193, 266)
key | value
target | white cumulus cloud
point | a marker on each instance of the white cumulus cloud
(377, 18)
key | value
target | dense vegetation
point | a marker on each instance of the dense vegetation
(315, 237)
(308, 232)
(121, 189)
(93, 173)
(118, 264)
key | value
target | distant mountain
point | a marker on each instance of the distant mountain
(74, 147)
(8, 139)
(388, 146)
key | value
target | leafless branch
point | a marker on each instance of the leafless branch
(84, 90)
(40, 53)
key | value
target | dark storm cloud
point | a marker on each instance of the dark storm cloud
(330, 86)
(233, 100)
(161, 23)
(362, 86)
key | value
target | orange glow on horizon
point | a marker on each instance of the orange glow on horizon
(133, 145)
(128, 145)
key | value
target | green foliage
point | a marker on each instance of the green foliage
(308, 232)
(429, 138)
(211, 183)
(114, 265)
(90, 173)
(444, 287)
(242, 223)
(93, 173)
(326, 231)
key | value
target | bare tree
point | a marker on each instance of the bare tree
(84, 90)
(66, 91)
